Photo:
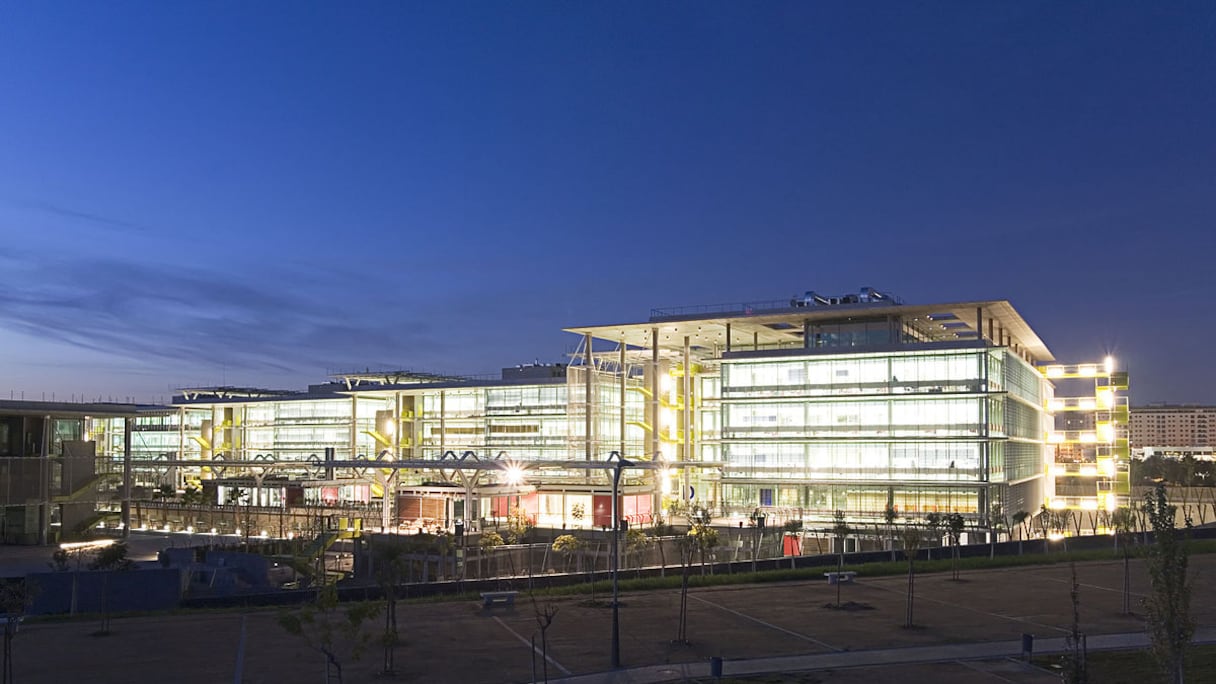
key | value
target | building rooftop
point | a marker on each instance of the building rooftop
(65, 408)
(777, 326)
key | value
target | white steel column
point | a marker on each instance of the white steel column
(397, 426)
(126, 476)
(687, 455)
(655, 388)
(621, 370)
(590, 398)
(178, 478)
(354, 427)
(44, 489)
(653, 404)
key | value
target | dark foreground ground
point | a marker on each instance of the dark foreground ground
(459, 642)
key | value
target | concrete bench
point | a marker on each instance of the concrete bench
(11, 623)
(840, 577)
(490, 598)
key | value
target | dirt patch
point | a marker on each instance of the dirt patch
(848, 606)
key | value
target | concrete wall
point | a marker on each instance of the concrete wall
(129, 590)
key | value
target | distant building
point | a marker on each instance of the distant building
(1173, 425)
(52, 479)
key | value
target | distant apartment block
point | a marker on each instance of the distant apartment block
(1173, 425)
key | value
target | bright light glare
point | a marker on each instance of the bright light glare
(1055, 371)
(1110, 364)
(77, 546)
(515, 475)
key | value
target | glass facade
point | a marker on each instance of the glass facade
(921, 431)
(803, 413)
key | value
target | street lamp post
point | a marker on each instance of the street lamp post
(620, 464)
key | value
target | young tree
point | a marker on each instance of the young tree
(333, 630)
(933, 526)
(15, 599)
(568, 545)
(954, 528)
(636, 542)
(1124, 524)
(888, 516)
(996, 523)
(659, 530)
(841, 530)
(686, 545)
(1168, 607)
(1074, 660)
(705, 538)
(700, 539)
(1020, 519)
(544, 620)
(108, 559)
(389, 562)
(487, 543)
(518, 526)
(910, 537)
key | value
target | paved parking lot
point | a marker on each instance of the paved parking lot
(461, 642)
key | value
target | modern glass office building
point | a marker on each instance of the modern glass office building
(853, 404)
(796, 409)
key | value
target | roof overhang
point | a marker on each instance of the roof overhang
(954, 321)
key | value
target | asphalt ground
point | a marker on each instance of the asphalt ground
(462, 642)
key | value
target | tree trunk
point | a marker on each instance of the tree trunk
(1127, 585)
(911, 581)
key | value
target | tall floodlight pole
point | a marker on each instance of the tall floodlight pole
(619, 465)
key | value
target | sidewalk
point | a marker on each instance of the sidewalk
(873, 658)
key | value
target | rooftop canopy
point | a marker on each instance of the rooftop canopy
(785, 325)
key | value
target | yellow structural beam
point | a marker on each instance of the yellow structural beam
(638, 423)
(678, 371)
(382, 439)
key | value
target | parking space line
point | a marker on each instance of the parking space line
(762, 622)
(920, 598)
(529, 645)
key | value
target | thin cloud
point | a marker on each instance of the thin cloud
(89, 217)
(149, 311)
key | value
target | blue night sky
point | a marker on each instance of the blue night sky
(262, 193)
